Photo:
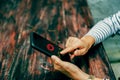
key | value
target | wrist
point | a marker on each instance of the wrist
(89, 40)
(91, 77)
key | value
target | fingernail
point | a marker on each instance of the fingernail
(53, 56)
(61, 52)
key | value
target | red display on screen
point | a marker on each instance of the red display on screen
(50, 47)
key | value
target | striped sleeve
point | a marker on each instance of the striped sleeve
(106, 28)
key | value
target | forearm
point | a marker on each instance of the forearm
(105, 28)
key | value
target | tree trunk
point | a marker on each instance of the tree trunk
(55, 20)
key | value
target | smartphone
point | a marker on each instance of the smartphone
(46, 47)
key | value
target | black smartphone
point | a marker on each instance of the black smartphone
(46, 47)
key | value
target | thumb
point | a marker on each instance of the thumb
(79, 52)
(55, 59)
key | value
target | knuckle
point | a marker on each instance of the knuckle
(69, 37)
(56, 62)
(66, 66)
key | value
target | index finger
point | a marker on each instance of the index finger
(71, 48)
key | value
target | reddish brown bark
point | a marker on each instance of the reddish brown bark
(55, 20)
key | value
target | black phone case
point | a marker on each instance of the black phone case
(46, 47)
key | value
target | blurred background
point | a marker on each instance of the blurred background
(101, 9)
(55, 20)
